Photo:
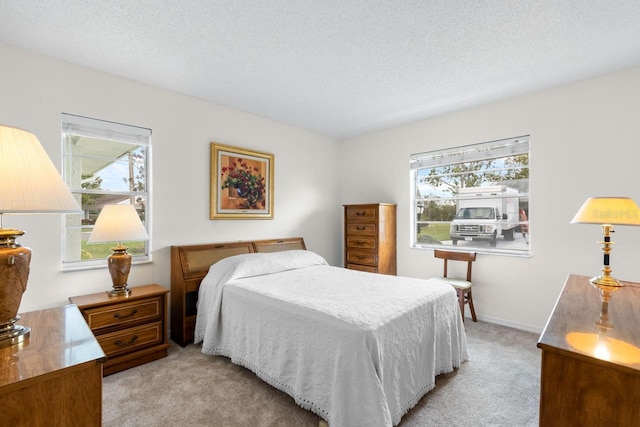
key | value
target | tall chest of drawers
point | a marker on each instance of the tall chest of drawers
(370, 238)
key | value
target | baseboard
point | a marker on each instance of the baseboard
(510, 324)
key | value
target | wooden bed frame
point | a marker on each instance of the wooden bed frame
(189, 265)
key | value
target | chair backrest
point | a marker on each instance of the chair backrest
(467, 257)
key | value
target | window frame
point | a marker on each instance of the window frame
(75, 228)
(497, 185)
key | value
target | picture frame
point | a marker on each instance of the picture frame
(241, 183)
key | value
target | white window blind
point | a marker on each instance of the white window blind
(471, 153)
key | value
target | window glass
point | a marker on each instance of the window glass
(104, 163)
(474, 197)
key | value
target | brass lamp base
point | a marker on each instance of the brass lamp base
(606, 282)
(12, 334)
(120, 292)
(119, 266)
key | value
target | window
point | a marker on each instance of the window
(104, 163)
(473, 197)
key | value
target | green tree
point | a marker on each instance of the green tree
(136, 171)
(474, 174)
(90, 182)
(518, 167)
(136, 180)
(460, 175)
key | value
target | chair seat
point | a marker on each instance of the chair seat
(456, 283)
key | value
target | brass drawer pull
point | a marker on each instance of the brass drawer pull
(120, 316)
(122, 344)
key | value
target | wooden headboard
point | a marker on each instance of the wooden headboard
(189, 265)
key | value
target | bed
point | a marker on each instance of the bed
(356, 348)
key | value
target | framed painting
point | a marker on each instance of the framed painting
(241, 183)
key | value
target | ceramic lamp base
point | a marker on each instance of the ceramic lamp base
(119, 266)
(14, 273)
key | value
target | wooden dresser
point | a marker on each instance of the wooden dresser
(131, 330)
(55, 377)
(370, 238)
(591, 375)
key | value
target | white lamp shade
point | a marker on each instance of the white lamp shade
(608, 210)
(30, 182)
(118, 223)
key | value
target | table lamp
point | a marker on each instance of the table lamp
(29, 183)
(118, 223)
(607, 212)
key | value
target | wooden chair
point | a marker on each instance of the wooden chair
(462, 287)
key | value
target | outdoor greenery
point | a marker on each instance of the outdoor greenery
(90, 182)
(433, 232)
(103, 250)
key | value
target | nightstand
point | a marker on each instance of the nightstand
(132, 330)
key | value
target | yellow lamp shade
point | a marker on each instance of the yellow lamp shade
(608, 210)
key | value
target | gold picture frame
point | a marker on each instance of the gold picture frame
(241, 183)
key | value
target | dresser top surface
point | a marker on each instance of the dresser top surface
(584, 326)
(59, 339)
(102, 298)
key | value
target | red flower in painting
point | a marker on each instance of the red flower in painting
(250, 186)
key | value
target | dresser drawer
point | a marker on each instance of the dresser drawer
(362, 258)
(125, 313)
(361, 212)
(360, 229)
(128, 340)
(367, 268)
(361, 242)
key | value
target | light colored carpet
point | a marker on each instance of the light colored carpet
(498, 386)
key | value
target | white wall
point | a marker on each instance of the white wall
(36, 89)
(584, 142)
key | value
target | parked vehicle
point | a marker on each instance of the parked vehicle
(484, 213)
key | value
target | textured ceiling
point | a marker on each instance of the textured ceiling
(338, 67)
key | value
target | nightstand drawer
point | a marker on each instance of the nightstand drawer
(362, 258)
(125, 313)
(128, 340)
(360, 229)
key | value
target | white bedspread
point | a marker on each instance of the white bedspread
(358, 349)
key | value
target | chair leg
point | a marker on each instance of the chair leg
(473, 311)
(460, 293)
